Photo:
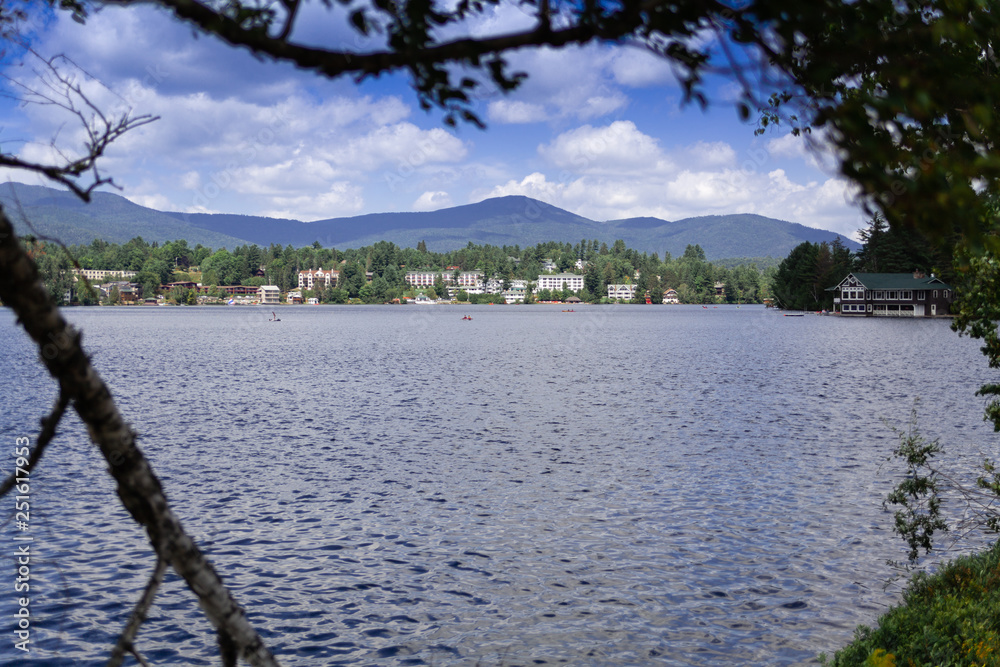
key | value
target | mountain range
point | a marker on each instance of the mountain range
(512, 220)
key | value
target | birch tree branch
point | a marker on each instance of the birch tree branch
(126, 641)
(137, 486)
(45, 436)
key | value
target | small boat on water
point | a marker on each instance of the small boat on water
(274, 317)
(467, 317)
(794, 314)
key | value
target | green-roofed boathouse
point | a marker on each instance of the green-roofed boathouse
(892, 295)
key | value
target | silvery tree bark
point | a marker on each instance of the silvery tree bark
(59, 344)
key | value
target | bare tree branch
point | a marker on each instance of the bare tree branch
(138, 487)
(292, 6)
(56, 88)
(45, 436)
(126, 641)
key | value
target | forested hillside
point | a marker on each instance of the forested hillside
(376, 273)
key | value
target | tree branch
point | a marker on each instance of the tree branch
(126, 641)
(61, 90)
(333, 63)
(138, 487)
(44, 437)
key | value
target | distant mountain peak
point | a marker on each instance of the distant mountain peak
(504, 220)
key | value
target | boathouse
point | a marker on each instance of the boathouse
(892, 295)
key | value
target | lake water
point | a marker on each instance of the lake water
(623, 485)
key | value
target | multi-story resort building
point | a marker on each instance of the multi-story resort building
(269, 294)
(516, 291)
(470, 281)
(100, 275)
(425, 278)
(313, 277)
(572, 281)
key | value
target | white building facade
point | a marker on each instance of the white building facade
(318, 277)
(621, 292)
(269, 294)
(100, 275)
(572, 281)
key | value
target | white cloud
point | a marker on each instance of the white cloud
(815, 150)
(590, 92)
(432, 201)
(705, 155)
(399, 144)
(686, 193)
(516, 111)
(616, 148)
(639, 68)
(533, 185)
(153, 201)
(342, 198)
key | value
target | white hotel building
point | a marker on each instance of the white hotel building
(308, 279)
(467, 280)
(573, 282)
(99, 275)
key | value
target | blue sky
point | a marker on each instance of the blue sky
(597, 130)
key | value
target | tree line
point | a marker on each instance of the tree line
(377, 273)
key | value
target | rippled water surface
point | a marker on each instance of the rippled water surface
(397, 486)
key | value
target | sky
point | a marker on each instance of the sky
(599, 130)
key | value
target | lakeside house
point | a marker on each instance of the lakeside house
(269, 294)
(516, 291)
(670, 296)
(892, 295)
(623, 292)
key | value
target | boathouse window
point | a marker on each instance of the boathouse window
(921, 295)
(946, 294)
(892, 295)
(935, 294)
(879, 295)
(906, 295)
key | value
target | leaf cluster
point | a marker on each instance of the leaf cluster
(917, 494)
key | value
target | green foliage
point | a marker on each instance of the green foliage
(795, 282)
(901, 250)
(917, 497)
(388, 263)
(917, 494)
(977, 310)
(949, 618)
